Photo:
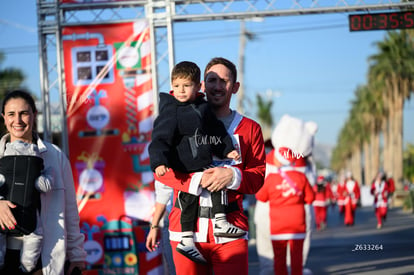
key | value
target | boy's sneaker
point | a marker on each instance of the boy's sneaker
(226, 229)
(191, 252)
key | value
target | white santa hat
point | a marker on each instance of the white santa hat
(287, 157)
(294, 134)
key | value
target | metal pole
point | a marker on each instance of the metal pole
(61, 84)
(240, 107)
(44, 80)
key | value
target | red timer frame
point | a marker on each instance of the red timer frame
(381, 21)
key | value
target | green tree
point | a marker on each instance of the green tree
(347, 155)
(264, 115)
(408, 169)
(393, 66)
(10, 78)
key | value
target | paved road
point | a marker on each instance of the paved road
(333, 250)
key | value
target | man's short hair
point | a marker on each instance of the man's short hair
(220, 60)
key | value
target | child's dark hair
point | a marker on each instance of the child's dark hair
(19, 94)
(188, 70)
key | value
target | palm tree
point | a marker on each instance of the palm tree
(378, 115)
(10, 78)
(379, 108)
(362, 107)
(358, 131)
(264, 115)
(369, 105)
(346, 156)
(340, 154)
(394, 67)
(409, 162)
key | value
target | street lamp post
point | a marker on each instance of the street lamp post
(244, 36)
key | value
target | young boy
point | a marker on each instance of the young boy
(185, 136)
(10, 171)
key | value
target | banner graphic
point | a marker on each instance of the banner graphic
(109, 117)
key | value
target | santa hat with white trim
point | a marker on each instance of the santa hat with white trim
(293, 140)
(288, 157)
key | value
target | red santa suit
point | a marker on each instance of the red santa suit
(323, 197)
(391, 185)
(391, 190)
(298, 135)
(351, 194)
(224, 255)
(287, 191)
(340, 197)
(380, 191)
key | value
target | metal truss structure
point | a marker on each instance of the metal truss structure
(162, 14)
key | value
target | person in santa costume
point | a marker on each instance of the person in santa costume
(339, 196)
(261, 219)
(380, 189)
(391, 187)
(351, 193)
(289, 133)
(287, 191)
(223, 255)
(323, 198)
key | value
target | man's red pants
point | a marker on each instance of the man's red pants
(223, 259)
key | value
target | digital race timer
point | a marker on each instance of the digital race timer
(381, 21)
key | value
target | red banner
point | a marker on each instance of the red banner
(109, 115)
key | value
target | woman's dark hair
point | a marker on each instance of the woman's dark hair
(19, 94)
(26, 97)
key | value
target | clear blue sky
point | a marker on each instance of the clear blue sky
(313, 61)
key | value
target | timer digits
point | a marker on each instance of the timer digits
(381, 21)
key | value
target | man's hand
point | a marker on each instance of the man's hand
(151, 242)
(216, 179)
(7, 219)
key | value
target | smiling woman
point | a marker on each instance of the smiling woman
(19, 118)
(54, 235)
